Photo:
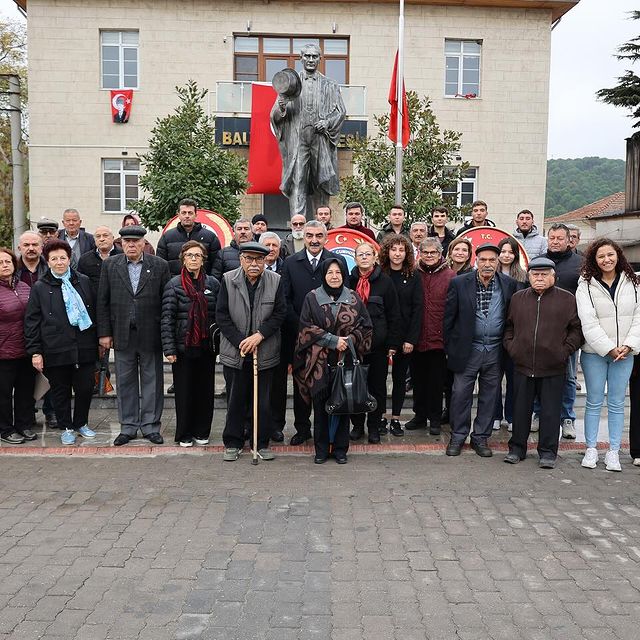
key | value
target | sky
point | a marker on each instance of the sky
(582, 50)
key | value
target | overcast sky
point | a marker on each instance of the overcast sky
(582, 62)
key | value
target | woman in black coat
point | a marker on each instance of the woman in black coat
(60, 336)
(188, 311)
(397, 261)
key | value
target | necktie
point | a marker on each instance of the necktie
(314, 263)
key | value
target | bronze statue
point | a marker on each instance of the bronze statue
(306, 119)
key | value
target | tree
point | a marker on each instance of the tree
(13, 60)
(430, 166)
(185, 161)
(626, 93)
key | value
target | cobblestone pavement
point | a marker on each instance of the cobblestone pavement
(395, 547)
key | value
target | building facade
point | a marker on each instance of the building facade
(483, 63)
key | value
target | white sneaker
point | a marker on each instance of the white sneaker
(201, 441)
(590, 459)
(568, 429)
(535, 423)
(612, 461)
(509, 427)
(636, 462)
(496, 425)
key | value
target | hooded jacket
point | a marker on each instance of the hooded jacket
(534, 244)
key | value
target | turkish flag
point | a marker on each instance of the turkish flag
(265, 164)
(121, 101)
(393, 101)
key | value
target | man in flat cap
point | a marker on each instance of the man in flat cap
(542, 331)
(47, 229)
(128, 309)
(474, 320)
(250, 311)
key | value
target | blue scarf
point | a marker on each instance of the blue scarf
(73, 303)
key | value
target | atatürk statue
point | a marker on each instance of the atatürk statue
(306, 119)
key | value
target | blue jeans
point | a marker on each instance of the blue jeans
(599, 371)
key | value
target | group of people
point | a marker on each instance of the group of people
(418, 301)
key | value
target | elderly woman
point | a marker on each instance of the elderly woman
(459, 255)
(609, 308)
(16, 373)
(188, 311)
(61, 339)
(330, 314)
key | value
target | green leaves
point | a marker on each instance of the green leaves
(429, 162)
(184, 161)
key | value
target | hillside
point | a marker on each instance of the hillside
(573, 183)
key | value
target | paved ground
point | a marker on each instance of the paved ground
(387, 547)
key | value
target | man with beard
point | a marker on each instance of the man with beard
(294, 242)
(323, 214)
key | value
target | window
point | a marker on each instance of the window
(462, 68)
(464, 191)
(258, 58)
(120, 184)
(119, 52)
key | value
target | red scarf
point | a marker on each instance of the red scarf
(197, 331)
(363, 288)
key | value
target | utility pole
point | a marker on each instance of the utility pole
(17, 158)
(401, 115)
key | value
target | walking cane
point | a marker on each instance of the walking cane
(254, 451)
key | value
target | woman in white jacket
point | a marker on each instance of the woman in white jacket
(609, 310)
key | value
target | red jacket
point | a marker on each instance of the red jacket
(435, 285)
(13, 303)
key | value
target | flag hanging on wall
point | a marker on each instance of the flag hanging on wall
(121, 101)
(265, 164)
(393, 101)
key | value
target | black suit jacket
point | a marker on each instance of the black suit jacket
(87, 243)
(118, 305)
(460, 315)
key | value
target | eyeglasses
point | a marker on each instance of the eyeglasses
(430, 253)
(368, 254)
(297, 224)
(193, 256)
(48, 232)
(256, 259)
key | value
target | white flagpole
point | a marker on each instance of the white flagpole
(399, 86)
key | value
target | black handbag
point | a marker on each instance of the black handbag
(349, 392)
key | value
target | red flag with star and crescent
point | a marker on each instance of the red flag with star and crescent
(121, 101)
(393, 101)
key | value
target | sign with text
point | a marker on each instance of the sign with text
(345, 241)
(492, 235)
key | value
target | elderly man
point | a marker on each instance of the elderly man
(170, 243)
(90, 263)
(78, 239)
(474, 320)
(128, 310)
(479, 213)
(527, 234)
(250, 311)
(259, 225)
(354, 216)
(294, 241)
(47, 229)
(574, 237)
(230, 256)
(417, 233)
(542, 331)
(395, 224)
(323, 214)
(31, 264)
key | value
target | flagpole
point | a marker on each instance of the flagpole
(401, 115)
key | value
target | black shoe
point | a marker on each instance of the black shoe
(154, 438)
(547, 463)
(396, 429)
(341, 458)
(444, 418)
(171, 389)
(512, 458)
(277, 436)
(374, 437)
(482, 450)
(357, 433)
(121, 439)
(319, 460)
(299, 438)
(454, 449)
(12, 438)
(50, 421)
(416, 423)
(27, 434)
(382, 429)
(434, 429)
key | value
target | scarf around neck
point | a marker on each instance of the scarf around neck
(363, 288)
(197, 320)
(77, 313)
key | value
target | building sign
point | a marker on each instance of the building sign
(235, 132)
(492, 235)
(345, 241)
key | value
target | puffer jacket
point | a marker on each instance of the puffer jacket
(46, 327)
(435, 284)
(14, 297)
(534, 244)
(175, 312)
(387, 230)
(170, 245)
(229, 260)
(609, 322)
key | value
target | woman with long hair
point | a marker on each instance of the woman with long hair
(509, 259)
(459, 255)
(397, 261)
(609, 310)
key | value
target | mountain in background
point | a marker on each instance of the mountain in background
(573, 183)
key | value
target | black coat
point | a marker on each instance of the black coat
(117, 304)
(460, 315)
(410, 299)
(446, 241)
(229, 260)
(85, 239)
(46, 327)
(90, 264)
(568, 265)
(175, 312)
(383, 309)
(170, 245)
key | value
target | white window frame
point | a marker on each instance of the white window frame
(460, 93)
(122, 46)
(123, 173)
(465, 180)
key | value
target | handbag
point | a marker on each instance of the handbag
(349, 393)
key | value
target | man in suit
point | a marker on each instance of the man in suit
(474, 323)
(90, 263)
(128, 309)
(301, 274)
(78, 239)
